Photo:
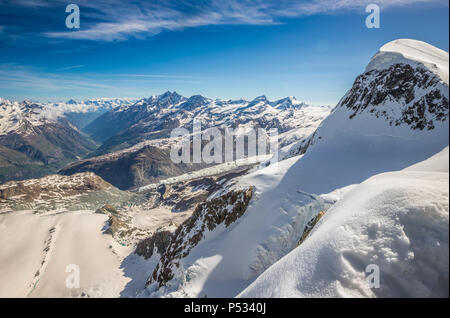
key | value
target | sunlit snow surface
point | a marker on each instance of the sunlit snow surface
(398, 221)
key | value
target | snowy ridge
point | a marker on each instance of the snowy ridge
(12, 114)
(411, 52)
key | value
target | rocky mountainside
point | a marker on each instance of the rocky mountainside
(403, 91)
(144, 163)
(223, 210)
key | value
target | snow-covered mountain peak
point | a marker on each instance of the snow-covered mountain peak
(170, 97)
(195, 101)
(72, 102)
(14, 115)
(261, 98)
(412, 52)
(404, 85)
(288, 102)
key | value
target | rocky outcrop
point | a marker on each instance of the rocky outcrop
(160, 240)
(225, 210)
(54, 185)
(420, 91)
(108, 210)
(310, 225)
(82, 191)
(183, 196)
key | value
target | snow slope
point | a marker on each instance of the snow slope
(37, 248)
(34, 257)
(397, 220)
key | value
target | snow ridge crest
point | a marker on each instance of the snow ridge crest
(414, 53)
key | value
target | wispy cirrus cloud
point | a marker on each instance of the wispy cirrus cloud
(114, 20)
(22, 79)
(71, 67)
(16, 76)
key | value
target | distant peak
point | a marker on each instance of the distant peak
(169, 98)
(194, 102)
(287, 99)
(288, 102)
(4, 101)
(197, 98)
(260, 98)
(169, 94)
(72, 102)
(28, 102)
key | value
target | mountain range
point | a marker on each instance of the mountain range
(108, 135)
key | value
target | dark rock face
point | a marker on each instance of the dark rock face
(160, 240)
(143, 164)
(225, 209)
(133, 169)
(117, 226)
(186, 195)
(108, 210)
(418, 89)
(310, 225)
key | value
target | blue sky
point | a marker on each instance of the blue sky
(218, 48)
